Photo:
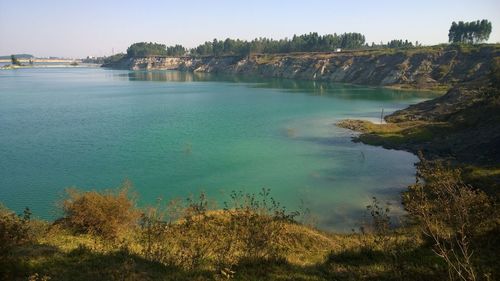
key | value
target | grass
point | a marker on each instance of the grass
(486, 177)
(253, 238)
(311, 255)
(416, 136)
(391, 135)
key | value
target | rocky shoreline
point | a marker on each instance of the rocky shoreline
(460, 128)
(430, 68)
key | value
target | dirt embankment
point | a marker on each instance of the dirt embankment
(434, 68)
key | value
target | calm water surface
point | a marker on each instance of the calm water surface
(174, 134)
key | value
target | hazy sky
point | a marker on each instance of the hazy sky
(74, 28)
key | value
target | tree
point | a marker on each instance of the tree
(399, 44)
(469, 32)
(14, 60)
(312, 42)
(453, 215)
(176, 51)
(144, 49)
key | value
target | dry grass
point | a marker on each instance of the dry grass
(253, 238)
(108, 214)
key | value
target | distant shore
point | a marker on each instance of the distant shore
(42, 60)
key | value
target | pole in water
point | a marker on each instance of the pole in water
(382, 116)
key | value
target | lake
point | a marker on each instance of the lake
(173, 134)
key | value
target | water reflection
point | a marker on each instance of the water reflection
(317, 88)
(168, 76)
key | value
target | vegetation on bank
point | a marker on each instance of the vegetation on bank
(461, 32)
(15, 61)
(460, 128)
(144, 49)
(18, 56)
(312, 42)
(469, 32)
(451, 232)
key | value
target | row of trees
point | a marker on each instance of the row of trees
(461, 32)
(144, 49)
(176, 51)
(312, 42)
(401, 44)
(469, 32)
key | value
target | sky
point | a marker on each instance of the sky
(73, 28)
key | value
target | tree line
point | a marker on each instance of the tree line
(469, 32)
(312, 42)
(461, 32)
(145, 49)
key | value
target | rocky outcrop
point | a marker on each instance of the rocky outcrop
(426, 68)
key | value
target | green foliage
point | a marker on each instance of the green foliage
(18, 56)
(469, 32)
(312, 42)
(454, 216)
(114, 58)
(254, 238)
(381, 236)
(15, 231)
(400, 44)
(190, 235)
(176, 51)
(255, 220)
(14, 60)
(108, 214)
(144, 49)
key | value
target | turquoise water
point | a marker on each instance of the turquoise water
(174, 134)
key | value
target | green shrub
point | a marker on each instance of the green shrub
(15, 230)
(453, 215)
(257, 223)
(192, 234)
(109, 214)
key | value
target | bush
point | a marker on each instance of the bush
(191, 234)
(257, 223)
(109, 214)
(114, 58)
(14, 230)
(380, 235)
(453, 215)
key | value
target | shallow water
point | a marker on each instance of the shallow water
(174, 134)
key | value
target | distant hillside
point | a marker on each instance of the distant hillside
(19, 56)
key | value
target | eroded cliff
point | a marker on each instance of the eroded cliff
(435, 68)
